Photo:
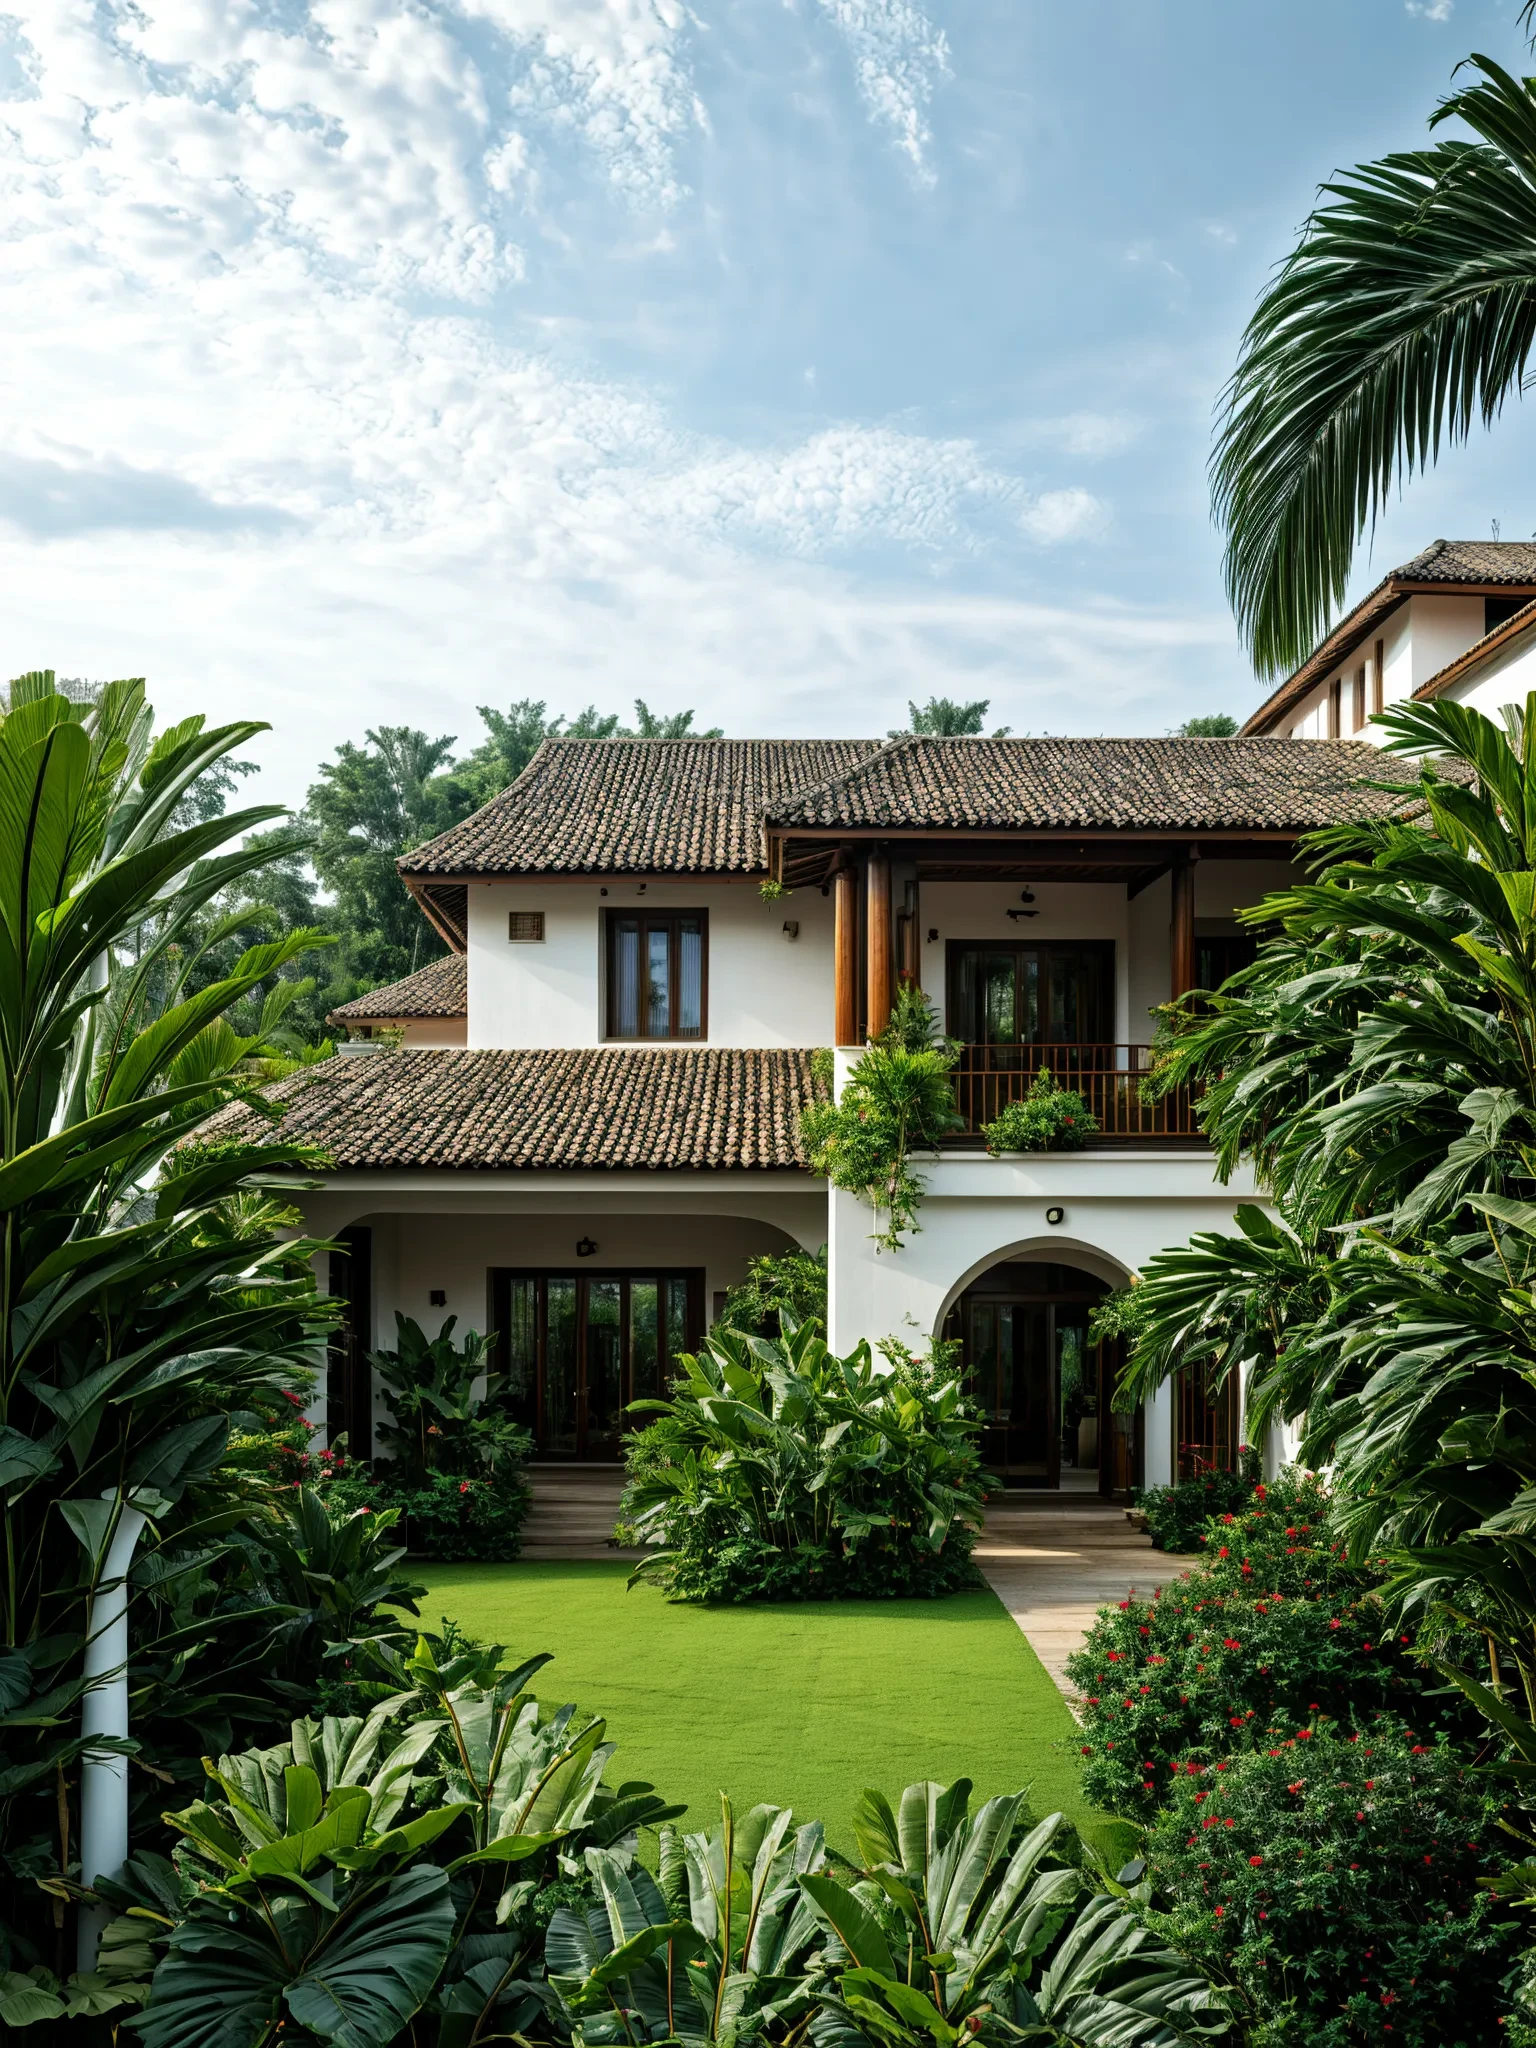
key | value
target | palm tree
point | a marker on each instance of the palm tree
(1408, 309)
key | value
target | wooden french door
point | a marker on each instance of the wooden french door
(578, 1347)
(1023, 1331)
(1057, 993)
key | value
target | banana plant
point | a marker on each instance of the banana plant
(130, 1327)
(712, 1949)
(963, 1926)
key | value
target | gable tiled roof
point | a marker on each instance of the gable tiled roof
(1079, 784)
(1472, 561)
(635, 807)
(704, 1106)
(1508, 564)
(440, 989)
(1514, 629)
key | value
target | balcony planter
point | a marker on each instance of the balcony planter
(1047, 1119)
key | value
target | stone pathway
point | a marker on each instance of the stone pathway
(1054, 1559)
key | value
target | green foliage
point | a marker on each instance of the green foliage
(1332, 1876)
(1049, 1118)
(1407, 310)
(781, 1472)
(461, 1521)
(943, 718)
(978, 1927)
(778, 1284)
(1275, 1625)
(1177, 1515)
(440, 1422)
(1215, 725)
(899, 1098)
(142, 1308)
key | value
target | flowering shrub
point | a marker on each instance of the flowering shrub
(1048, 1119)
(1177, 1515)
(449, 1519)
(1333, 1878)
(1273, 1625)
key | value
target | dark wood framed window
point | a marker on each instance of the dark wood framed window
(525, 927)
(1057, 992)
(349, 1378)
(1379, 677)
(578, 1347)
(1358, 707)
(1335, 695)
(657, 973)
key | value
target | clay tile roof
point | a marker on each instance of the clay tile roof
(630, 1107)
(1152, 784)
(635, 807)
(438, 990)
(1472, 561)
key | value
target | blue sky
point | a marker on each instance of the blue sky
(365, 361)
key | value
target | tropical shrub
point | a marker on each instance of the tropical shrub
(779, 1472)
(440, 1422)
(145, 1297)
(1333, 1877)
(1049, 1118)
(777, 1282)
(1177, 1515)
(898, 1099)
(461, 1521)
(1274, 1626)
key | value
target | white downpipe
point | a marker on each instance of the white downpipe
(104, 1711)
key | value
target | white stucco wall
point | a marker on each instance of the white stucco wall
(1419, 639)
(1508, 678)
(764, 988)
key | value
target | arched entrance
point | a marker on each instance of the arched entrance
(1045, 1392)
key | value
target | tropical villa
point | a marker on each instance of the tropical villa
(577, 1127)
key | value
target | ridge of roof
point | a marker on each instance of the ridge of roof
(599, 1108)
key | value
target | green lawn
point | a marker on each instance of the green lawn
(798, 1705)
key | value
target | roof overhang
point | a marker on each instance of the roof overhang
(801, 856)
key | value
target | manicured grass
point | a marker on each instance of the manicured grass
(798, 1705)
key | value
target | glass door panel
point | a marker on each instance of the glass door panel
(519, 1321)
(562, 1426)
(645, 1377)
(604, 1376)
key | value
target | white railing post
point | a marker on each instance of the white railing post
(104, 1712)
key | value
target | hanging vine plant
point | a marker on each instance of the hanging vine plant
(899, 1099)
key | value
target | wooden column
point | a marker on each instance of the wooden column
(1182, 929)
(877, 924)
(845, 954)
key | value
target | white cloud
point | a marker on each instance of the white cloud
(1430, 10)
(899, 59)
(280, 450)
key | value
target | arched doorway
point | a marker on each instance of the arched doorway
(1045, 1392)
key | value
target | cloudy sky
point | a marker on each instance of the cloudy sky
(368, 360)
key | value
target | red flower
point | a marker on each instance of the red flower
(1256, 1861)
(464, 1486)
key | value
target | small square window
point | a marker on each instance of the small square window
(525, 927)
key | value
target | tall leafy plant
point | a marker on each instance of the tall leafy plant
(779, 1471)
(131, 1322)
(898, 1099)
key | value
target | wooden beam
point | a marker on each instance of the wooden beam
(877, 923)
(845, 953)
(1182, 929)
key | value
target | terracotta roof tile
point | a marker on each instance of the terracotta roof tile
(635, 807)
(441, 989)
(1087, 784)
(1472, 561)
(703, 1106)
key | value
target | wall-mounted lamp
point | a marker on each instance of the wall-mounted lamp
(640, 889)
(1055, 1215)
(791, 929)
(437, 1297)
(933, 933)
(602, 892)
(1025, 896)
(585, 1247)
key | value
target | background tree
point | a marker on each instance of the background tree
(1407, 310)
(1215, 725)
(943, 718)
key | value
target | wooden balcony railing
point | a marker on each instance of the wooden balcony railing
(1108, 1077)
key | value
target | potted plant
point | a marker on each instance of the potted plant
(1048, 1119)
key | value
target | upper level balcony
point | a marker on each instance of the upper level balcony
(1110, 1079)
